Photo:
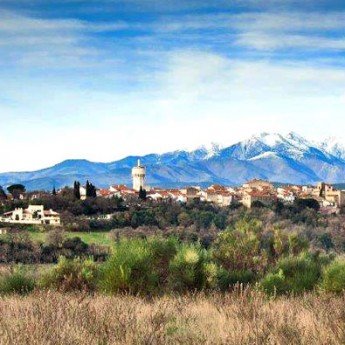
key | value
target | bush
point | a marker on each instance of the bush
(292, 275)
(18, 282)
(239, 248)
(334, 277)
(162, 252)
(191, 269)
(227, 279)
(129, 269)
(70, 275)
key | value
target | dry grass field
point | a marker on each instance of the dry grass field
(51, 318)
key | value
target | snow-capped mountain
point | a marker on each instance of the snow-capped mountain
(281, 158)
(333, 146)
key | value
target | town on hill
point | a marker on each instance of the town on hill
(256, 192)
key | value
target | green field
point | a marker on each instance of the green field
(101, 238)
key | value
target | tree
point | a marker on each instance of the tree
(16, 190)
(90, 190)
(142, 193)
(302, 204)
(76, 189)
(54, 191)
(257, 204)
(184, 219)
(3, 195)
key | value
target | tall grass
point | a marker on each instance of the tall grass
(233, 319)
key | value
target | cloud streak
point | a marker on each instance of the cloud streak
(219, 75)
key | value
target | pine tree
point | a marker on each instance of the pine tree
(54, 191)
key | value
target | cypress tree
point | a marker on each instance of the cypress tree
(76, 189)
(142, 194)
(90, 190)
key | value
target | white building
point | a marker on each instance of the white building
(34, 214)
(138, 176)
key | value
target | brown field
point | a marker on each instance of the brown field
(238, 318)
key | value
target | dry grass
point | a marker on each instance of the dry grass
(238, 318)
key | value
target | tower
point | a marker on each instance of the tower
(138, 176)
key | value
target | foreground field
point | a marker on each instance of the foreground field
(238, 318)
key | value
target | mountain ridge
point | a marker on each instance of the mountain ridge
(284, 159)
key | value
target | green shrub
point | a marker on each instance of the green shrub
(191, 269)
(162, 252)
(274, 283)
(334, 277)
(239, 248)
(227, 279)
(129, 269)
(18, 282)
(292, 275)
(70, 275)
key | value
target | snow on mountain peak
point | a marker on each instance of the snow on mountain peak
(291, 145)
(209, 150)
(333, 146)
(268, 154)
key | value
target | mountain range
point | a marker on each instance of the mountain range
(280, 158)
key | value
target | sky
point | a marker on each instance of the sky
(104, 79)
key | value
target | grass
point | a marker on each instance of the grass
(100, 238)
(236, 318)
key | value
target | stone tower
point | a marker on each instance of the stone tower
(138, 176)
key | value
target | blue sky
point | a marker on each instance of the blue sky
(108, 78)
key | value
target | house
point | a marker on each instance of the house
(258, 184)
(263, 197)
(219, 195)
(34, 214)
(192, 193)
(286, 194)
(82, 191)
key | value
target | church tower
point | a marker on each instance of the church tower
(138, 176)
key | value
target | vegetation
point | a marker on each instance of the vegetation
(71, 275)
(245, 253)
(237, 275)
(19, 248)
(241, 317)
(16, 190)
(3, 195)
(18, 281)
(334, 277)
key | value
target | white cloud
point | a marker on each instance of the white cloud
(270, 42)
(173, 97)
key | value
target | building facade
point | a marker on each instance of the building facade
(34, 214)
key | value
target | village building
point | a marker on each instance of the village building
(257, 196)
(192, 194)
(219, 195)
(328, 193)
(258, 184)
(121, 190)
(286, 194)
(82, 191)
(34, 214)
